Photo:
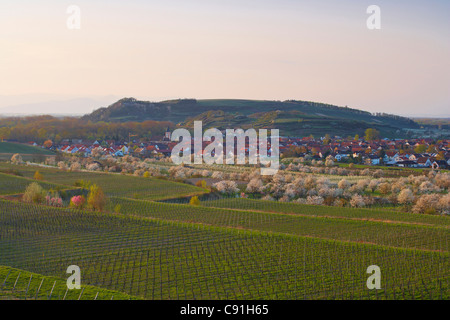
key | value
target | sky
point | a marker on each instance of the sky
(317, 50)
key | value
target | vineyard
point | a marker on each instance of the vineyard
(228, 248)
(112, 184)
(337, 212)
(13, 184)
(19, 284)
(399, 235)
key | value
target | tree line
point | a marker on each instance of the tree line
(42, 128)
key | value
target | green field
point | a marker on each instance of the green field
(156, 259)
(112, 184)
(332, 212)
(223, 249)
(401, 235)
(11, 148)
(10, 184)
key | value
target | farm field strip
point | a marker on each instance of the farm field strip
(11, 148)
(334, 178)
(113, 184)
(388, 234)
(330, 211)
(10, 184)
(169, 260)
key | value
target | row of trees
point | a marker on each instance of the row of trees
(35, 193)
(44, 128)
(420, 193)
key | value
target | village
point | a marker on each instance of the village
(411, 153)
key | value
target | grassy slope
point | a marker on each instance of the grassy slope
(112, 184)
(9, 147)
(316, 118)
(291, 123)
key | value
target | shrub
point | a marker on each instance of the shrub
(363, 184)
(51, 161)
(76, 166)
(426, 187)
(384, 188)
(38, 176)
(93, 166)
(16, 159)
(217, 175)
(278, 178)
(277, 189)
(194, 201)
(309, 182)
(323, 182)
(343, 184)
(340, 202)
(62, 165)
(226, 186)
(427, 203)
(255, 185)
(378, 173)
(96, 198)
(373, 184)
(405, 196)
(146, 174)
(292, 191)
(34, 193)
(83, 184)
(205, 173)
(201, 183)
(315, 200)
(117, 208)
(268, 198)
(443, 180)
(444, 204)
(357, 201)
(77, 202)
(54, 201)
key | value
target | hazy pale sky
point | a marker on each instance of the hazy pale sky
(318, 50)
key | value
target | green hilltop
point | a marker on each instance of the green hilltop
(292, 117)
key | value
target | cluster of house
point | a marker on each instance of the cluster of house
(390, 152)
(107, 147)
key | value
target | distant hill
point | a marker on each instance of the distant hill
(292, 117)
(438, 123)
